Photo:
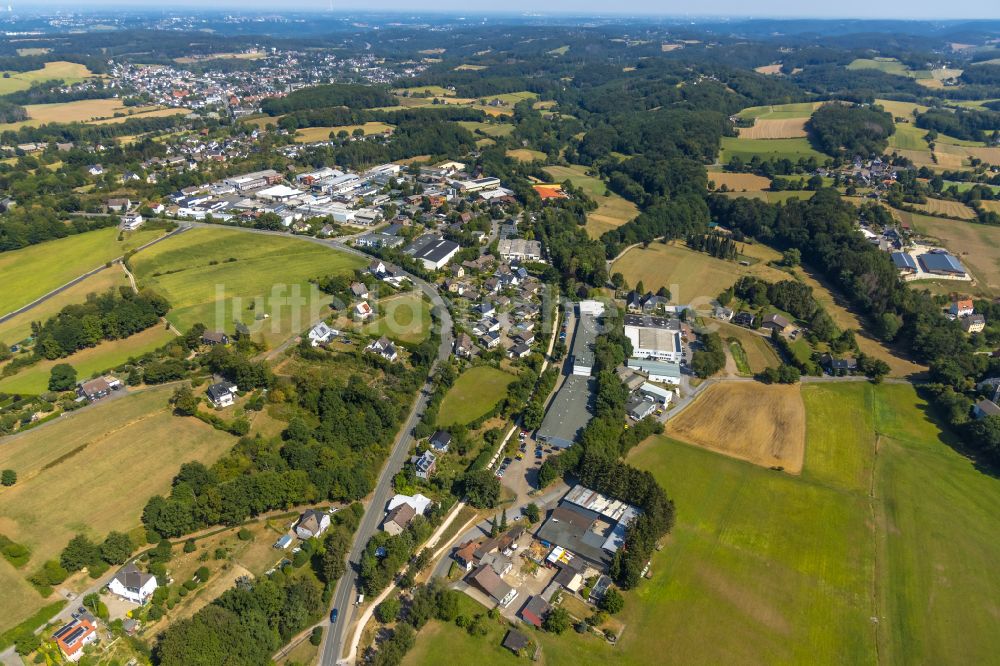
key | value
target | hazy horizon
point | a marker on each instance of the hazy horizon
(923, 10)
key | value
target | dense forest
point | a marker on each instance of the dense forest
(334, 94)
(836, 129)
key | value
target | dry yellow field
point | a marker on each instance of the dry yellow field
(955, 209)
(689, 275)
(142, 112)
(95, 111)
(470, 68)
(526, 155)
(768, 69)
(738, 182)
(311, 134)
(993, 206)
(251, 55)
(901, 109)
(764, 425)
(70, 473)
(784, 128)
(920, 158)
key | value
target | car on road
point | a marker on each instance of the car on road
(333, 615)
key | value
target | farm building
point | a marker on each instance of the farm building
(775, 322)
(535, 610)
(486, 579)
(941, 263)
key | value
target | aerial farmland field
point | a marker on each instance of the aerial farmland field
(215, 277)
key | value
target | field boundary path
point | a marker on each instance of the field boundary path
(58, 290)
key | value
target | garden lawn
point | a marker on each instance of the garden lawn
(93, 472)
(406, 318)
(34, 271)
(475, 393)
(88, 362)
(195, 273)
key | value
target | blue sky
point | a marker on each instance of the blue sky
(915, 9)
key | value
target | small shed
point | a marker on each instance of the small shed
(515, 641)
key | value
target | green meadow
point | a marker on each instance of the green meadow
(220, 276)
(474, 393)
(883, 550)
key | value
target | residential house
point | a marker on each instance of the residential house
(463, 346)
(486, 579)
(973, 323)
(119, 205)
(744, 319)
(722, 312)
(363, 311)
(500, 562)
(212, 338)
(535, 611)
(419, 502)
(384, 348)
(95, 389)
(132, 584)
(72, 638)
(961, 308)
(518, 350)
(425, 465)
(838, 365)
(312, 523)
(359, 290)
(398, 518)
(322, 334)
(131, 221)
(775, 322)
(376, 267)
(222, 394)
(440, 441)
(490, 339)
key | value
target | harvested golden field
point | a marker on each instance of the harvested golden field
(768, 69)
(95, 111)
(526, 155)
(140, 112)
(764, 425)
(955, 209)
(920, 158)
(783, 128)
(738, 182)
(67, 72)
(470, 68)
(901, 109)
(612, 210)
(70, 472)
(312, 134)
(993, 206)
(689, 275)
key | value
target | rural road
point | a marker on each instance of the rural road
(86, 275)
(343, 596)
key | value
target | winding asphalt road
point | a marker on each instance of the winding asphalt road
(346, 590)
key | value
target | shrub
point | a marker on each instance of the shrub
(8, 477)
(189, 546)
(388, 610)
(316, 637)
(244, 534)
